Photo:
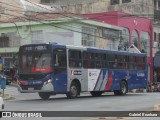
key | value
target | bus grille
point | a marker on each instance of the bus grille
(35, 87)
(31, 76)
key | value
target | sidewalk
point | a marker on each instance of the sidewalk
(9, 92)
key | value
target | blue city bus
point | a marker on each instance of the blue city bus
(51, 69)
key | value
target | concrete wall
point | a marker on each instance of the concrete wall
(143, 8)
(138, 7)
(49, 33)
(82, 6)
(60, 32)
(12, 8)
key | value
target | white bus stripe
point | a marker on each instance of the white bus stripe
(100, 80)
(104, 81)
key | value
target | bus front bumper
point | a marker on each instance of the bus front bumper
(32, 89)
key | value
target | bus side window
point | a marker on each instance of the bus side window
(60, 58)
(56, 60)
(112, 59)
(122, 61)
(75, 59)
(62, 61)
(132, 63)
(140, 63)
(89, 60)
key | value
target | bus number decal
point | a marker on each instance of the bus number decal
(76, 72)
(140, 74)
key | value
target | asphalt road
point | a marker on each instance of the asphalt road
(107, 102)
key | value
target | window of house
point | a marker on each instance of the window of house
(159, 37)
(4, 41)
(114, 2)
(155, 36)
(157, 7)
(135, 38)
(126, 1)
(37, 36)
(10, 39)
(124, 40)
(145, 40)
(88, 36)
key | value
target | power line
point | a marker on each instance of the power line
(75, 31)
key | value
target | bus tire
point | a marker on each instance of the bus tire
(123, 89)
(96, 93)
(44, 95)
(74, 91)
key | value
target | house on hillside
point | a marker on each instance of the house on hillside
(53, 27)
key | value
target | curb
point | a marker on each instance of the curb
(139, 91)
(13, 84)
(157, 107)
(6, 96)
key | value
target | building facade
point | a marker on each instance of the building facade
(62, 30)
(143, 8)
(136, 30)
(79, 6)
(10, 9)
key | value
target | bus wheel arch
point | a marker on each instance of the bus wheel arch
(75, 89)
(44, 95)
(123, 88)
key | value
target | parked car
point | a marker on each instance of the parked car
(1, 103)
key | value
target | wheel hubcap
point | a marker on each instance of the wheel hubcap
(123, 88)
(73, 91)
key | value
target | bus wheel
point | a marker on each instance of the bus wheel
(74, 91)
(123, 89)
(96, 93)
(44, 95)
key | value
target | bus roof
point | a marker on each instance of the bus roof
(91, 49)
(94, 49)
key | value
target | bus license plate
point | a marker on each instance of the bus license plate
(30, 88)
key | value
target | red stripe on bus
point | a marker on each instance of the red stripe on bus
(109, 82)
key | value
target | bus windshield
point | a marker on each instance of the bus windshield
(35, 62)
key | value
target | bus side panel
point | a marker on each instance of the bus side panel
(99, 80)
(60, 82)
(117, 76)
(80, 75)
(135, 79)
(104, 80)
(138, 79)
(60, 72)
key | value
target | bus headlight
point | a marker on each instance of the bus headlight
(48, 81)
